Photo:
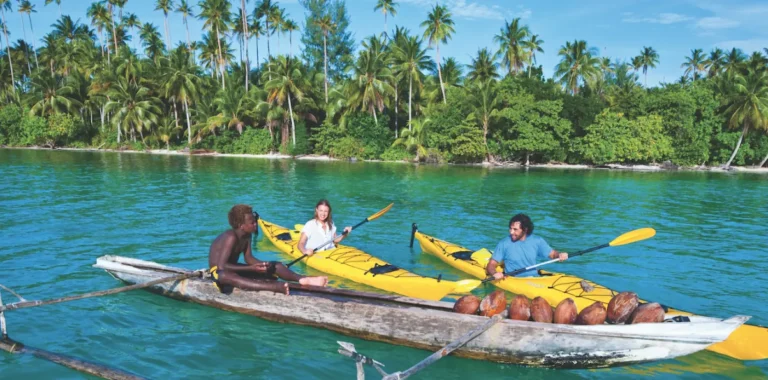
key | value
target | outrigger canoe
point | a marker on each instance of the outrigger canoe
(358, 266)
(431, 325)
(748, 342)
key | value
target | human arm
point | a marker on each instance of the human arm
(558, 255)
(302, 245)
(339, 238)
(490, 270)
(222, 253)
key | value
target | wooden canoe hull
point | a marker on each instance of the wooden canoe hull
(430, 325)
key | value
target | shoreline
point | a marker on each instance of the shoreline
(497, 165)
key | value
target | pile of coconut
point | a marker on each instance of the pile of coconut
(624, 308)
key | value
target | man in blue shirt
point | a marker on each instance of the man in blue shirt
(521, 249)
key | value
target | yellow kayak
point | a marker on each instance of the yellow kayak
(358, 266)
(748, 342)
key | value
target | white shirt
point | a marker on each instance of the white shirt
(317, 235)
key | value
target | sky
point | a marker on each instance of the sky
(618, 29)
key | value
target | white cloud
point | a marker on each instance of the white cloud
(716, 23)
(661, 18)
(474, 10)
(747, 45)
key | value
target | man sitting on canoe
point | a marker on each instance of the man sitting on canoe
(521, 249)
(255, 274)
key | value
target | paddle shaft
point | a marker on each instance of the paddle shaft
(326, 243)
(28, 304)
(445, 351)
(521, 270)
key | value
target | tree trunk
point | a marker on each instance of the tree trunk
(167, 33)
(738, 145)
(375, 119)
(440, 73)
(221, 59)
(26, 51)
(189, 43)
(527, 158)
(247, 58)
(293, 126)
(325, 66)
(763, 161)
(101, 115)
(114, 33)
(395, 105)
(258, 60)
(34, 47)
(410, 97)
(118, 133)
(175, 113)
(189, 126)
(385, 23)
(8, 49)
(290, 42)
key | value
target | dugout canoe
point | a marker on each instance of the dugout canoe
(431, 324)
(748, 342)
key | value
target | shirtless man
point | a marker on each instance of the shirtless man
(254, 274)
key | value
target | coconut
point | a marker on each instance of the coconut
(493, 304)
(541, 311)
(565, 312)
(468, 304)
(520, 308)
(647, 313)
(621, 307)
(592, 315)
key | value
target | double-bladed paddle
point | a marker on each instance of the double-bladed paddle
(626, 238)
(368, 219)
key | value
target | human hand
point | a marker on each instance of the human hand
(498, 276)
(563, 256)
(347, 230)
(261, 266)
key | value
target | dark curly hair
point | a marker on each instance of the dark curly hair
(237, 215)
(525, 223)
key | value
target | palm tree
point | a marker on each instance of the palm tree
(216, 14)
(276, 18)
(264, 10)
(734, 59)
(579, 64)
(288, 83)
(438, 28)
(483, 67)
(256, 29)
(58, 2)
(165, 6)
(290, 26)
(326, 25)
(186, 11)
(715, 62)
(99, 19)
(533, 45)
(5, 5)
(132, 21)
(370, 88)
(26, 7)
(415, 137)
(512, 40)
(48, 96)
(485, 98)
(246, 38)
(386, 6)
(166, 128)
(694, 64)
(648, 58)
(134, 107)
(747, 104)
(153, 45)
(410, 60)
(110, 8)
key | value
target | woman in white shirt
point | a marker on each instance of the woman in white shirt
(320, 230)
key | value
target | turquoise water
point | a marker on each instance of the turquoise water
(61, 210)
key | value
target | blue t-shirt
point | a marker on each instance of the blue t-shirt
(521, 254)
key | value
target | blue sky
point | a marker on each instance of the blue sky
(618, 29)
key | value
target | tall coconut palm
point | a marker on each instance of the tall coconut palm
(186, 11)
(5, 5)
(747, 104)
(264, 10)
(533, 46)
(694, 64)
(483, 67)
(386, 7)
(132, 22)
(733, 60)
(216, 15)
(579, 64)
(50, 95)
(110, 7)
(288, 83)
(134, 108)
(484, 98)
(410, 60)
(246, 28)
(715, 63)
(290, 26)
(370, 88)
(99, 19)
(153, 44)
(276, 18)
(26, 7)
(648, 58)
(165, 6)
(438, 28)
(58, 2)
(326, 25)
(256, 30)
(512, 40)
(165, 131)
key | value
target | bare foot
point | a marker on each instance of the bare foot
(314, 281)
(287, 289)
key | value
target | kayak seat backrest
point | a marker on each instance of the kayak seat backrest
(285, 236)
(462, 255)
(382, 269)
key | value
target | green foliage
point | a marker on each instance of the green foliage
(467, 142)
(253, 141)
(616, 139)
(63, 128)
(373, 139)
(446, 118)
(347, 147)
(529, 127)
(10, 125)
(396, 154)
(302, 142)
(34, 131)
(324, 136)
(340, 42)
